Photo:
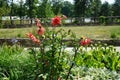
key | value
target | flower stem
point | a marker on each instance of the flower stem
(76, 49)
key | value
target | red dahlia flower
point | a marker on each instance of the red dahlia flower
(56, 21)
(85, 42)
(33, 38)
(41, 31)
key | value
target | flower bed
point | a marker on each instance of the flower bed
(52, 62)
(98, 63)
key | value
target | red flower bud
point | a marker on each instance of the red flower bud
(38, 24)
(33, 38)
(41, 31)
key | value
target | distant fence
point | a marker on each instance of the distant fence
(102, 20)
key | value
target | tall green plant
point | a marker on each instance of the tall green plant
(52, 62)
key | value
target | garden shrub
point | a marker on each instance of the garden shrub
(102, 20)
(55, 64)
(113, 35)
(99, 57)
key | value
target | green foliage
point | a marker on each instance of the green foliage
(32, 8)
(105, 9)
(116, 8)
(92, 73)
(67, 9)
(18, 35)
(21, 9)
(56, 6)
(113, 35)
(53, 61)
(102, 20)
(56, 62)
(81, 7)
(0, 22)
(43, 8)
(14, 64)
(94, 10)
(99, 57)
(4, 10)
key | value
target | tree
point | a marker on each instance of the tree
(32, 8)
(94, 10)
(116, 8)
(45, 9)
(56, 6)
(11, 11)
(4, 9)
(21, 10)
(67, 9)
(4, 3)
(105, 9)
(80, 7)
(15, 9)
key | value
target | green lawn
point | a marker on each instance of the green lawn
(94, 32)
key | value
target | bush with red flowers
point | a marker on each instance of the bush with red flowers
(54, 62)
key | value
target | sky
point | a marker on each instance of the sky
(110, 1)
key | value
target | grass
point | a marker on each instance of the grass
(94, 32)
(14, 33)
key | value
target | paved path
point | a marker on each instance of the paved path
(118, 48)
(70, 49)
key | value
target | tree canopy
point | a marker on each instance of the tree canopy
(49, 8)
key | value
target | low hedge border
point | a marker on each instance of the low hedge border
(28, 43)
